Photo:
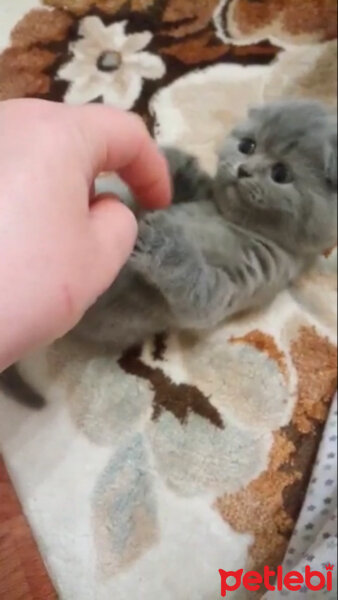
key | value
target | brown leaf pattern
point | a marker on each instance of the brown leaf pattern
(80, 7)
(269, 506)
(180, 400)
(196, 14)
(190, 51)
(304, 19)
(41, 27)
(22, 72)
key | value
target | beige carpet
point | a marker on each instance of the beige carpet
(148, 473)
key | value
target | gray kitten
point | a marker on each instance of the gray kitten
(230, 243)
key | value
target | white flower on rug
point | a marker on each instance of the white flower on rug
(109, 63)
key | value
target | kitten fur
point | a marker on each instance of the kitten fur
(232, 242)
(13, 384)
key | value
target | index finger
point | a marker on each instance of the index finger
(118, 141)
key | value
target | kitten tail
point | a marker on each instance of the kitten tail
(12, 383)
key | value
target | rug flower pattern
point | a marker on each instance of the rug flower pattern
(283, 21)
(210, 416)
(108, 64)
(210, 426)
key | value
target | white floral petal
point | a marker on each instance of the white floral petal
(84, 90)
(92, 28)
(115, 36)
(147, 65)
(112, 98)
(124, 90)
(81, 93)
(85, 48)
(72, 70)
(136, 42)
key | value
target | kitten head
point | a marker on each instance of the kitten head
(277, 175)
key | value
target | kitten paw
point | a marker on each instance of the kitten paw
(190, 183)
(156, 243)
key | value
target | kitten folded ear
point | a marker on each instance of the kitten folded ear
(331, 155)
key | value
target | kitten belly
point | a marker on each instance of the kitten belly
(208, 230)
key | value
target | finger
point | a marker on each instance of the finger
(119, 141)
(114, 229)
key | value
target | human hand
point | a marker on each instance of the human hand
(60, 249)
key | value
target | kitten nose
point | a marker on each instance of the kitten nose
(243, 172)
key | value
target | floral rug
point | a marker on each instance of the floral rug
(148, 473)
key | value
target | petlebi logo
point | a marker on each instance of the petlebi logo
(271, 581)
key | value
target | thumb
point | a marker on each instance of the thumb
(114, 229)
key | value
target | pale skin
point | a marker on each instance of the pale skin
(61, 248)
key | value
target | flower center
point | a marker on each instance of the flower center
(109, 61)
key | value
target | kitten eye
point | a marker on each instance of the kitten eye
(247, 146)
(281, 174)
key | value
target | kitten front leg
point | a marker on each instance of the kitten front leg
(161, 247)
(189, 182)
(194, 291)
(200, 295)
